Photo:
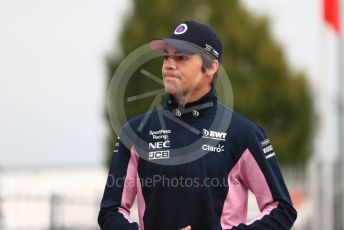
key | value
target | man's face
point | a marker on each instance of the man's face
(182, 74)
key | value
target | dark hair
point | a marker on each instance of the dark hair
(207, 61)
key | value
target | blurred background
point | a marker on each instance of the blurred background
(284, 60)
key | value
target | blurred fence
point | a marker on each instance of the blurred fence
(298, 180)
(21, 209)
(51, 198)
(55, 212)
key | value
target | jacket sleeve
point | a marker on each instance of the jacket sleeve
(120, 190)
(260, 173)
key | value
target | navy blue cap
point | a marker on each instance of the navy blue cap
(191, 37)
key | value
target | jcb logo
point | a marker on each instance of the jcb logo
(159, 155)
(159, 145)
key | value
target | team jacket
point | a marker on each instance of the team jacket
(190, 166)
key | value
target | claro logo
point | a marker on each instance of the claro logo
(214, 135)
(219, 148)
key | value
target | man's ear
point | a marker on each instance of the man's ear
(213, 68)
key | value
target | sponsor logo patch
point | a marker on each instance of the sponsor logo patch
(182, 28)
(219, 148)
(267, 148)
(160, 151)
(215, 135)
(159, 145)
(211, 49)
(160, 134)
(159, 155)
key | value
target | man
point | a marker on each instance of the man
(183, 164)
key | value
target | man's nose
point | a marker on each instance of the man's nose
(170, 63)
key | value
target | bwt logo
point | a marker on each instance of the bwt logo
(159, 145)
(214, 135)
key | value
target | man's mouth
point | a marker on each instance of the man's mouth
(171, 75)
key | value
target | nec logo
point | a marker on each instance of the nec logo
(214, 135)
(160, 154)
(159, 145)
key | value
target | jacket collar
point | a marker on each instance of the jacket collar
(193, 108)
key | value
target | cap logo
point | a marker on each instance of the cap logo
(182, 28)
(211, 50)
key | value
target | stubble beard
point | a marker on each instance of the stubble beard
(177, 91)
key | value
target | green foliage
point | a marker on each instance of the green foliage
(265, 88)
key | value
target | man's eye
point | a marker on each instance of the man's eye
(182, 57)
(166, 56)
